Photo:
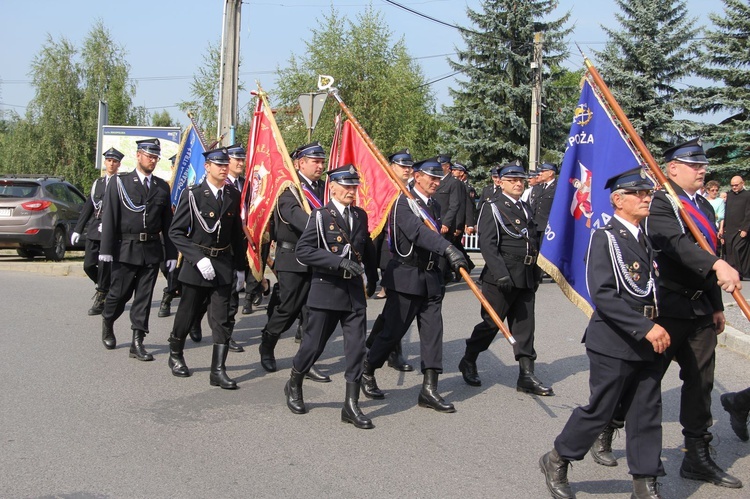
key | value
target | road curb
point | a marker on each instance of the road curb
(735, 340)
(47, 268)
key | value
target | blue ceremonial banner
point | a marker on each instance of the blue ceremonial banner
(597, 149)
(190, 164)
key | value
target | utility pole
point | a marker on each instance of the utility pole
(229, 72)
(536, 103)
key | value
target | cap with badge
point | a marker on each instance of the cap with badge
(443, 158)
(401, 158)
(512, 170)
(495, 170)
(548, 167)
(149, 146)
(344, 175)
(236, 151)
(113, 153)
(312, 150)
(459, 167)
(430, 167)
(688, 152)
(218, 156)
(631, 180)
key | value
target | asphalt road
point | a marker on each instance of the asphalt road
(79, 421)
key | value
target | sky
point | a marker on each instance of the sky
(165, 40)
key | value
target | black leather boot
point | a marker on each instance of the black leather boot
(196, 332)
(601, 451)
(369, 384)
(738, 409)
(351, 413)
(98, 307)
(165, 307)
(218, 375)
(555, 470)
(108, 335)
(429, 396)
(233, 345)
(645, 487)
(137, 351)
(528, 382)
(176, 360)
(267, 345)
(247, 307)
(698, 464)
(314, 375)
(293, 392)
(298, 333)
(377, 328)
(396, 360)
(469, 372)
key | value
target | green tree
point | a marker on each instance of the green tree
(377, 78)
(644, 61)
(162, 118)
(490, 118)
(726, 61)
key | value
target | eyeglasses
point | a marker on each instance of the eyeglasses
(641, 194)
(735, 185)
(512, 179)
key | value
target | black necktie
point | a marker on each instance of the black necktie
(347, 225)
(237, 184)
(220, 197)
(145, 183)
(642, 241)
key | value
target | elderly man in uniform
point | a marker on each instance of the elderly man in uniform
(688, 292)
(337, 246)
(91, 219)
(623, 344)
(137, 214)
(290, 219)
(207, 229)
(509, 243)
(415, 286)
(401, 163)
(737, 226)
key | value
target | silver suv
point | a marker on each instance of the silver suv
(37, 213)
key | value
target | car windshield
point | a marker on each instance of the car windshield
(17, 189)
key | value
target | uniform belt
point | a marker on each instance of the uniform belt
(338, 273)
(421, 265)
(141, 237)
(526, 259)
(286, 245)
(213, 252)
(693, 294)
(648, 311)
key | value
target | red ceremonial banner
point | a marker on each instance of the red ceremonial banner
(376, 192)
(267, 174)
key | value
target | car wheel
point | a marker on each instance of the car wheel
(57, 251)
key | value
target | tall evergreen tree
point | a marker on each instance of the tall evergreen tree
(490, 119)
(377, 78)
(726, 61)
(642, 63)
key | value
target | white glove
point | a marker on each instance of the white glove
(105, 258)
(206, 268)
(171, 264)
(240, 280)
(74, 237)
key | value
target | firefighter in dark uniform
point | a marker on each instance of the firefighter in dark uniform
(509, 243)
(450, 197)
(491, 192)
(290, 219)
(137, 214)
(207, 229)
(337, 246)
(542, 194)
(172, 289)
(90, 219)
(414, 285)
(623, 343)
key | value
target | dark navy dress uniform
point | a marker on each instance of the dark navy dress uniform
(540, 199)
(224, 247)
(624, 369)
(134, 222)
(336, 297)
(90, 220)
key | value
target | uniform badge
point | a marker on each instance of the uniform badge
(338, 239)
(331, 227)
(507, 204)
(206, 192)
(636, 277)
(334, 249)
(211, 214)
(624, 233)
(636, 266)
(518, 221)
